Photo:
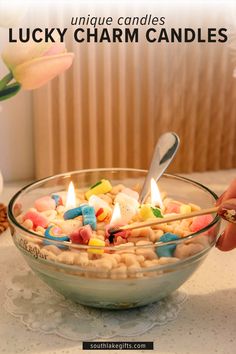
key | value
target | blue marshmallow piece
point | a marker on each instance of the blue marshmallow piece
(88, 213)
(87, 220)
(56, 237)
(72, 213)
(89, 217)
(168, 250)
(49, 235)
(88, 210)
(57, 198)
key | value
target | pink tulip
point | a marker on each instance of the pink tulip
(34, 64)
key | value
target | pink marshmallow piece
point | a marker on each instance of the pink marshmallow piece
(199, 222)
(81, 235)
(45, 203)
(172, 208)
(37, 219)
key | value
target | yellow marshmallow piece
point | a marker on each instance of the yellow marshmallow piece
(101, 187)
(185, 209)
(96, 242)
(146, 212)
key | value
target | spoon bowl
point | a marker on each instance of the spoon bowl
(164, 152)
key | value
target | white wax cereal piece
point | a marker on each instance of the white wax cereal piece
(68, 226)
(122, 197)
(169, 214)
(81, 259)
(156, 236)
(60, 209)
(118, 188)
(129, 259)
(49, 214)
(119, 272)
(187, 250)
(106, 198)
(20, 218)
(166, 260)
(116, 256)
(136, 239)
(131, 193)
(194, 207)
(128, 206)
(98, 203)
(112, 258)
(147, 253)
(143, 243)
(202, 239)
(28, 224)
(66, 257)
(54, 249)
(120, 240)
(40, 229)
(167, 200)
(49, 255)
(102, 264)
(32, 209)
(127, 212)
(125, 248)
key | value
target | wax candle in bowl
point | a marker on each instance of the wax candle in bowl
(67, 244)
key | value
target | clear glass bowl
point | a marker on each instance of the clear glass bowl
(100, 286)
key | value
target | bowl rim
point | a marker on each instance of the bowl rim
(15, 223)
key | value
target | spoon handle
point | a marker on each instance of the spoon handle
(165, 149)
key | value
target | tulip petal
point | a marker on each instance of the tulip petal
(17, 53)
(37, 72)
(55, 49)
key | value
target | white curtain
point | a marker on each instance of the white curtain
(111, 106)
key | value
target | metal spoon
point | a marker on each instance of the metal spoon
(165, 149)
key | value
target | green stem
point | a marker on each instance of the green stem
(5, 80)
(9, 91)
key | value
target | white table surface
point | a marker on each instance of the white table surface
(206, 324)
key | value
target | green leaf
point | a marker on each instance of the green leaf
(157, 213)
(5, 80)
(9, 91)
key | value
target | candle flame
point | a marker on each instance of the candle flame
(116, 215)
(70, 198)
(155, 194)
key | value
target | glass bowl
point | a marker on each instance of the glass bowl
(113, 281)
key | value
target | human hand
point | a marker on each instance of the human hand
(227, 210)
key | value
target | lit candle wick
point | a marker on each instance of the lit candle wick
(155, 194)
(116, 219)
(70, 198)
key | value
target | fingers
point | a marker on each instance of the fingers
(227, 210)
(220, 199)
(227, 241)
(229, 193)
